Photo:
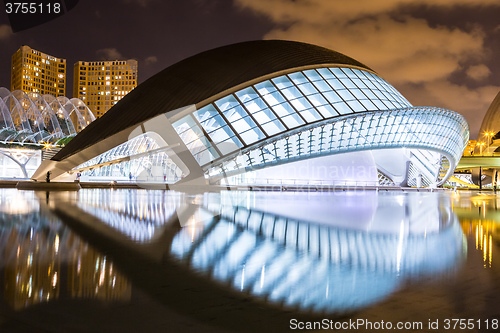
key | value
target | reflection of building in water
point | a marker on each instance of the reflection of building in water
(376, 212)
(485, 234)
(314, 267)
(91, 274)
(139, 215)
(42, 261)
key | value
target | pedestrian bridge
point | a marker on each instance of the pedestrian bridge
(491, 163)
(483, 161)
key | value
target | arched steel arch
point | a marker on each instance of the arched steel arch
(68, 127)
(18, 112)
(51, 124)
(77, 106)
(32, 118)
(6, 121)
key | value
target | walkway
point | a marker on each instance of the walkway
(470, 162)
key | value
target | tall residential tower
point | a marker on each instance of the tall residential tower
(101, 84)
(35, 71)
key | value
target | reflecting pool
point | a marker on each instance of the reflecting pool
(143, 260)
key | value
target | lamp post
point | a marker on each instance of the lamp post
(488, 134)
(480, 144)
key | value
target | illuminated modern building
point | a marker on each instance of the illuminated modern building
(263, 112)
(35, 71)
(31, 121)
(101, 84)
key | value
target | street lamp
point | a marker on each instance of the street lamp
(480, 144)
(488, 134)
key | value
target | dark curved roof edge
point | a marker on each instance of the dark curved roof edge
(199, 77)
(491, 121)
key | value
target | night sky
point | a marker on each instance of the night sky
(436, 52)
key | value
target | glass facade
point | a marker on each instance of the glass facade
(281, 104)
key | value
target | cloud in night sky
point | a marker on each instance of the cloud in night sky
(109, 54)
(478, 72)
(151, 60)
(418, 58)
(5, 31)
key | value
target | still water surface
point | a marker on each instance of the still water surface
(154, 261)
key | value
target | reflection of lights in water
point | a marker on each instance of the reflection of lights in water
(400, 245)
(30, 285)
(16, 203)
(262, 274)
(103, 271)
(242, 278)
(483, 232)
(489, 252)
(35, 246)
(193, 229)
(477, 240)
(56, 244)
(101, 278)
(401, 200)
